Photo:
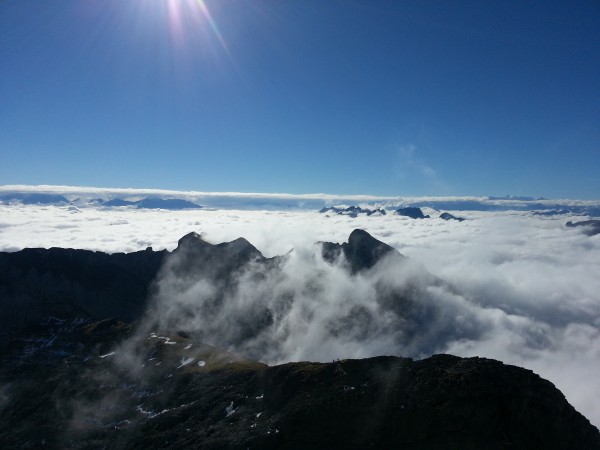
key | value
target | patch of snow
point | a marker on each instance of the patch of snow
(201, 363)
(230, 410)
(260, 397)
(108, 354)
(151, 414)
(187, 347)
(185, 362)
(258, 415)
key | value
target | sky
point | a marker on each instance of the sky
(344, 97)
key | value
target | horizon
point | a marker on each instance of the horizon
(390, 99)
(358, 197)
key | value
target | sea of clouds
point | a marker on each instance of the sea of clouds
(525, 288)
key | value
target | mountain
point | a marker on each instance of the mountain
(448, 216)
(362, 251)
(73, 284)
(26, 198)
(153, 203)
(589, 227)
(77, 389)
(412, 212)
(98, 354)
(118, 202)
(353, 211)
(34, 198)
(170, 203)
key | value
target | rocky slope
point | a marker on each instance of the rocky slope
(66, 283)
(183, 394)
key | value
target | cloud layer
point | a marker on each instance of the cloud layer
(521, 288)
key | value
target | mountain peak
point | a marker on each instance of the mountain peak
(192, 238)
(362, 251)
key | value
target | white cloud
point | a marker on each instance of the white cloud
(526, 286)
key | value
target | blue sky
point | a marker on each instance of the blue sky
(351, 97)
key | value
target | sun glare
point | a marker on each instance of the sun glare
(191, 16)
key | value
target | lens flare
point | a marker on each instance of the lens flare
(188, 19)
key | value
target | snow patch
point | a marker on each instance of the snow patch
(230, 410)
(185, 362)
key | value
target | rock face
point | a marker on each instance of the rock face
(448, 216)
(194, 255)
(590, 227)
(412, 212)
(67, 283)
(362, 251)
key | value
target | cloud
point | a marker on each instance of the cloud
(409, 161)
(518, 287)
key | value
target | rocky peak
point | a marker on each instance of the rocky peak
(362, 251)
(191, 239)
(448, 216)
(590, 227)
(412, 212)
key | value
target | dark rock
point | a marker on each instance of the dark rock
(362, 251)
(353, 211)
(448, 216)
(195, 257)
(90, 399)
(412, 212)
(589, 227)
(67, 283)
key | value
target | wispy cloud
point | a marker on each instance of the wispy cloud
(412, 166)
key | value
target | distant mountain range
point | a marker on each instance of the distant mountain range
(145, 203)
(353, 211)
(334, 204)
(153, 203)
(88, 360)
